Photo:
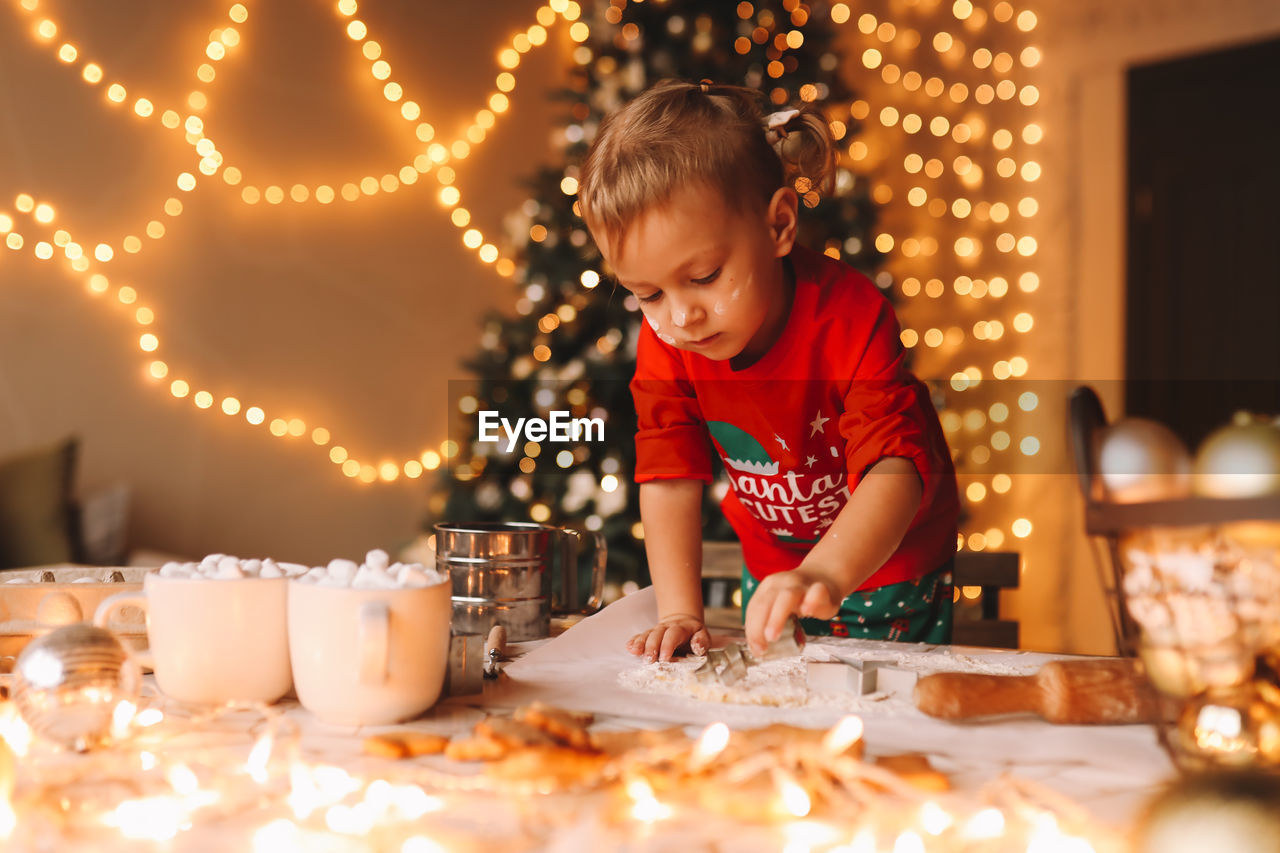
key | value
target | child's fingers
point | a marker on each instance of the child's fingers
(662, 641)
(817, 602)
(700, 642)
(767, 614)
(671, 640)
(753, 622)
(636, 644)
(652, 643)
(787, 603)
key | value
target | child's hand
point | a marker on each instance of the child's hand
(669, 636)
(783, 594)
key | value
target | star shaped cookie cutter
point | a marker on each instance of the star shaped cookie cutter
(729, 665)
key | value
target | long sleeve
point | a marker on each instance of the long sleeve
(671, 436)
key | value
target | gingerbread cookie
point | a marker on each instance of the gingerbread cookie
(550, 767)
(404, 744)
(566, 727)
(915, 770)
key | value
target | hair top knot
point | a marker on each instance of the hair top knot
(775, 125)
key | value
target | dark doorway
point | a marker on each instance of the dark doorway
(1203, 306)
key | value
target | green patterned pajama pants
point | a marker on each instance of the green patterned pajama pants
(914, 611)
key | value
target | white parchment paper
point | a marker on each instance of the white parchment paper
(1109, 769)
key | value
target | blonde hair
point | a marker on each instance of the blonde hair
(677, 134)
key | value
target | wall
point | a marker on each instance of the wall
(352, 315)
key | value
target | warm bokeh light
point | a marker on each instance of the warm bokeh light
(953, 182)
(946, 128)
(221, 42)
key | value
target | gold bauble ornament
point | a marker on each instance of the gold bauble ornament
(1141, 460)
(1232, 727)
(1239, 460)
(1168, 670)
(1223, 811)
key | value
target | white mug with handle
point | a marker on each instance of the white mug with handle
(212, 640)
(368, 656)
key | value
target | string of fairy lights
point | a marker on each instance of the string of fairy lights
(434, 157)
(947, 126)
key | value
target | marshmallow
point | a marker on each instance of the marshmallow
(228, 567)
(230, 570)
(342, 570)
(374, 573)
(176, 570)
(414, 576)
(371, 578)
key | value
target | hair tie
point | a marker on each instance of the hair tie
(706, 85)
(775, 125)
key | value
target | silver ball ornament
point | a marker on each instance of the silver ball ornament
(1142, 460)
(68, 682)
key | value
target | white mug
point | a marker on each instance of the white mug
(212, 640)
(368, 656)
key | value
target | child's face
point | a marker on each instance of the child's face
(709, 279)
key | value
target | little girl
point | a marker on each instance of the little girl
(842, 490)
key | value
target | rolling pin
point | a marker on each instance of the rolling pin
(1067, 691)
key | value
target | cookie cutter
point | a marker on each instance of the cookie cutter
(729, 665)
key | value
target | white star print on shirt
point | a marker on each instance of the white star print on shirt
(809, 462)
(817, 423)
(778, 438)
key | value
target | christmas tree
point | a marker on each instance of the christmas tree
(571, 345)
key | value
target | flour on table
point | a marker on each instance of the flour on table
(782, 683)
(774, 683)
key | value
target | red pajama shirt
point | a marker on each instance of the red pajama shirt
(798, 429)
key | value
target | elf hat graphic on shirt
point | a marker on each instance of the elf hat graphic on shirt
(741, 451)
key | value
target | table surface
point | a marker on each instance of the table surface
(1107, 772)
